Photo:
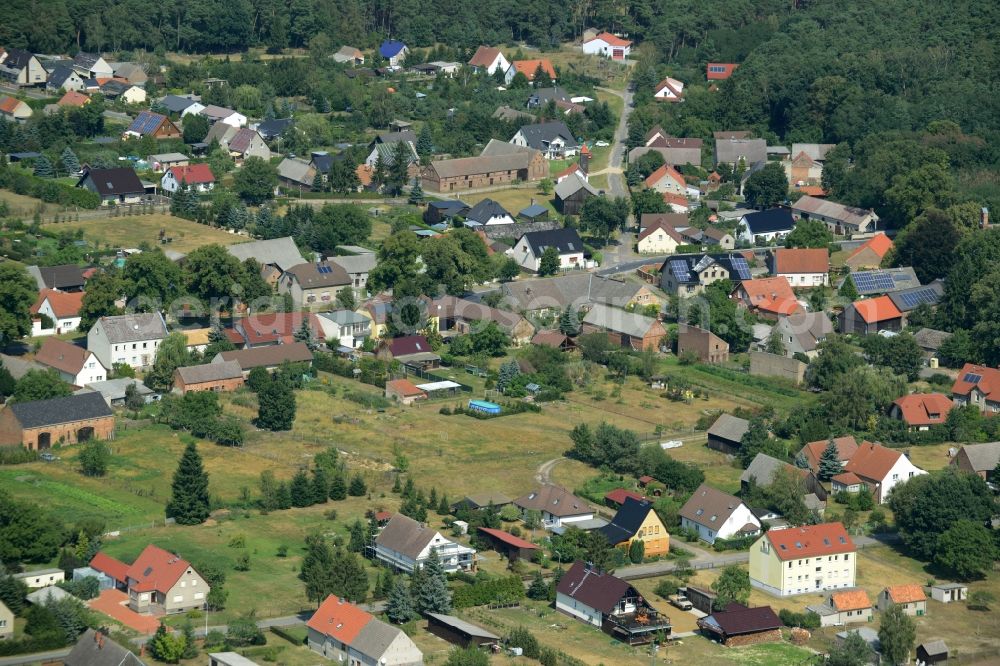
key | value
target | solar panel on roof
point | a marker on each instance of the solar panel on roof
(914, 298)
(972, 378)
(741, 267)
(883, 281)
(679, 268)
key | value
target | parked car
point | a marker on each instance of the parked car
(49, 457)
(680, 601)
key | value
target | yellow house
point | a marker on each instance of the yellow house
(381, 312)
(658, 238)
(636, 520)
(798, 560)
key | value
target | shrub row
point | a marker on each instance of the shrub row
(482, 592)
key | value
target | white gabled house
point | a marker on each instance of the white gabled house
(131, 339)
(877, 468)
(669, 90)
(489, 59)
(714, 514)
(74, 364)
(608, 45)
(529, 249)
(404, 545)
(557, 506)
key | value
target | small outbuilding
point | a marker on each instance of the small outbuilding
(948, 592)
(932, 652)
(738, 625)
(458, 631)
(510, 546)
(726, 433)
(404, 391)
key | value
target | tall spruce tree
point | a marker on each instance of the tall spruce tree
(349, 578)
(433, 595)
(189, 501)
(276, 406)
(338, 488)
(829, 462)
(801, 461)
(43, 167)
(425, 144)
(69, 161)
(318, 569)
(416, 194)
(569, 322)
(301, 490)
(400, 605)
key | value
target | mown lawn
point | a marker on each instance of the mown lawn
(130, 231)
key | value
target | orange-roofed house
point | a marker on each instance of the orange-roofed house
(769, 297)
(73, 99)
(61, 307)
(344, 633)
(158, 582)
(197, 178)
(802, 267)
(977, 385)
(877, 468)
(920, 411)
(846, 447)
(846, 607)
(666, 180)
(489, 59)
(608, 45)
(528, 68)
(669, 90)
(910, 596)
(677, 203)
(719, 71)
(403, 391)
(800, 560)
(870, 253)
(14, 109)
(870, 315)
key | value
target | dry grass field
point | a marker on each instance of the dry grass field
(130, 231)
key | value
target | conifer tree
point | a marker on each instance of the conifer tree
(320, 486)
(539, 589)
(425, 144)
(396, 488)
(317, 184)
(416, 194)
(801, 461)
(357, 487)
(318, 569)
(338, 488)
(284, 496)
(829, 462)
(400, 605)
(569, 323)
(301, 490)
(444, 507)
(276, 406)
(349, 578)
(386, 583)
(43, 167)
(358, 538)
(434, 596)
(189, 501)
(70, 161)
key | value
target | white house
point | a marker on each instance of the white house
(344, 633)
(800, 560)
(529, 249)
(802, 267)
(61, 307)
(404, 544)
(92, 66)
(219, 114)
(134, 95)
(348, 328)
(608, 45)
(669, 90)
(76, 365)
(658, 238)
(197, 177)
(714, 514)
(556, 505)
(877, 468)
(488, 212)
(489, 60)
(131, 339)
(765, 226)
(553, 139)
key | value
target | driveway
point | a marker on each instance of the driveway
(113, 604)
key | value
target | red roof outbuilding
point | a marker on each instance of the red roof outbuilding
(923, 409)
(509, 539)
(114, 568)
(193, 174)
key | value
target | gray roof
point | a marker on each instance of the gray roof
(710, 507)
(375, 638)
(98, 650)
(295, 170)
(169, 157)
(17, 366)
(731, 150)
(933, 648)
(578, 290)
(114, 389)
(86, 60)
(929, 338)
(809, 328)
(539, 135)
(344, 317)
(555, 500)
(463, 626)
(210, 372)
(565, 241)
(486, 210)
(572, 184)
(729, 427)
(983, 457)
(39, 413)
(485, 498)
(266, 357)
(847, 215)
(509, 113)
(44, 595)
(762, 468)
(316, 276)
(134, 327)
(615, 319)
(281, 252)
(57, 277)
(496, 156)
(815, 151)
(405, 535)
(909, 299)
(359, 263)
(867, 633)
(230, 659)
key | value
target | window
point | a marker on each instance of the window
(144, 345)
(133, 345)
(183, 584)
(178, 598)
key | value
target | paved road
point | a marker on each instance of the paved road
(616, 180)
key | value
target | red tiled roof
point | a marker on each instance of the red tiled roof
(812, 190)
(665, 171)
(801, 260)
(924, 409)
(528, 67)
(509, 539)
(679, 199)
(484, 56)
(61, 355)
(611, 40)
(193, 174)
(618, 496)
(872, 461)
(988, 382)
(906, 594)
(810, 541)
(646, 479)
(111, 566)
(274, 326)
(720, 76)
(549, 338)
(874, 310)
(9, 104)
(568, 171)
(880, 244)
(63, 303)
(365, 174)
(772, 294)
(847, 479)
(339, 619)
(73, 98)
(403, 387)
(847, 446)
(156, 570)
(850, 600)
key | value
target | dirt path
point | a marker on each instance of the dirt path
(544, 473)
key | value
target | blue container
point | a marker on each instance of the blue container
(484, 406)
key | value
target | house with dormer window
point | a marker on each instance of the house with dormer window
(158, 582)
(714, 514)
(806, 559)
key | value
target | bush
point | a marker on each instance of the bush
(368, 400)
(739, 543)
(666, 587)
(16, 455)
(524, 639)
(807, 620)
(489, 590)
